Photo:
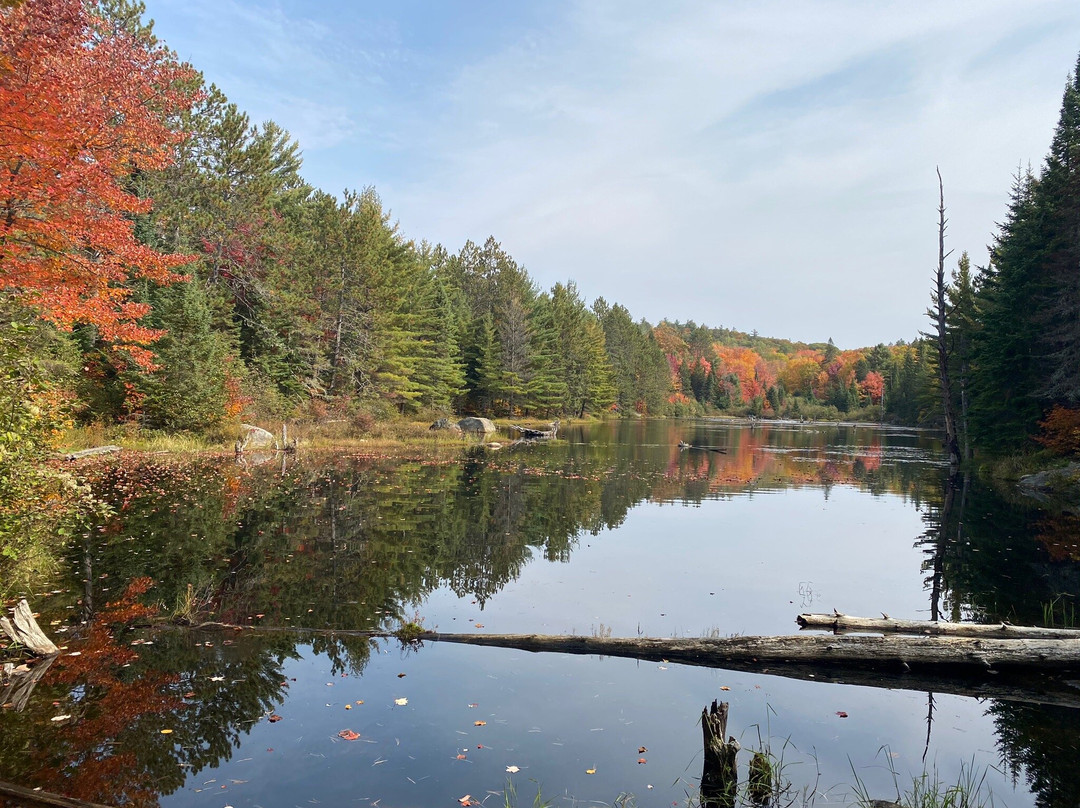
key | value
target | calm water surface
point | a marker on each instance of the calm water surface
(611, 529)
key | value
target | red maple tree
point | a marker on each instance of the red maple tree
(82, 106)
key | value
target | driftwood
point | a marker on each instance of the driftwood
(530, 432)
(841, 623)
(91, 452)
(17, 797)
(719, 771)
(717, 449)
(25, 631)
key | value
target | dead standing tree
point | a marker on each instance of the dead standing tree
(719, 772)
(937, 312)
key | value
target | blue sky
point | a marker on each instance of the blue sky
(766, 166)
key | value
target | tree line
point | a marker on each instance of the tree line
(164, 262)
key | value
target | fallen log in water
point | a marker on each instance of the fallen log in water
(25, 631)
(13, 795)
(841, 623)
(896, 653)
(910, 663)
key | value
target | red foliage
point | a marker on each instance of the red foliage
(1061, 431)
(82, 108)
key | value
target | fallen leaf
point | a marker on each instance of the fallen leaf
(217, 678)
(725, 687)
(348, 735)
(474, 705)
(359, 701)
(641, 760)
(60, 718)
(641, 750)
(401, 676)
(841, 713)
(461, 757)
(190, 694)
(467, 800)
(513, 769)
(479, 625)
(479, 723)
(348, 706)
(274, 718)
(590, 771)
(401, 702)
(166, 732)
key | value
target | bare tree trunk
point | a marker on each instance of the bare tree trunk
(719, 772)
(952, 445)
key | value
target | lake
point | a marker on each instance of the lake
(610, 530)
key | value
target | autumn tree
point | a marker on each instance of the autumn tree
(84, 105)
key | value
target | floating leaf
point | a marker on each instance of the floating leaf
(641, 750)
(401, 702)
(60, 718)
(590, 771)
(348, 706)
(725, 687)
(641, 760)
(401, 676)
(274, 718)
(461, 757)
(841, 713)
(467, 800)
(359, 701)
(479, 723)
(474, 705)
(348, 735)
(166, 732)
(513, 769)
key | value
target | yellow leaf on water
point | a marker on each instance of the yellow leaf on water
(401, 702)
(166, 732)
(590, 771)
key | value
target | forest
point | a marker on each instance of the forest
(164, 266)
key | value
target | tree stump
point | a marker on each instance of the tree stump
(719, 772)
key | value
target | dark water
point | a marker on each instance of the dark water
(611, 529)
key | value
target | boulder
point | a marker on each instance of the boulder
(476, 426)
(256, 438)
(445, 424)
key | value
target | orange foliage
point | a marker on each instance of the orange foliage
(82, 108)
(1061, 431)
(743, 362)
(873, 387)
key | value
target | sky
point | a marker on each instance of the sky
(766, 166)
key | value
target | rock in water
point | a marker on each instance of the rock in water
(256, 437)
(476, 426)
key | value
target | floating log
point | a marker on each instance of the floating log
(841, 623)
(13, 795)
(1030, 682)
(91, 452)
(890, 653)
(25, 631)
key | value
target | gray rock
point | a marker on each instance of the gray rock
(476, 426)
(256, 438)
(445, 424)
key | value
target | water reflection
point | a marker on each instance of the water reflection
(369, 542)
